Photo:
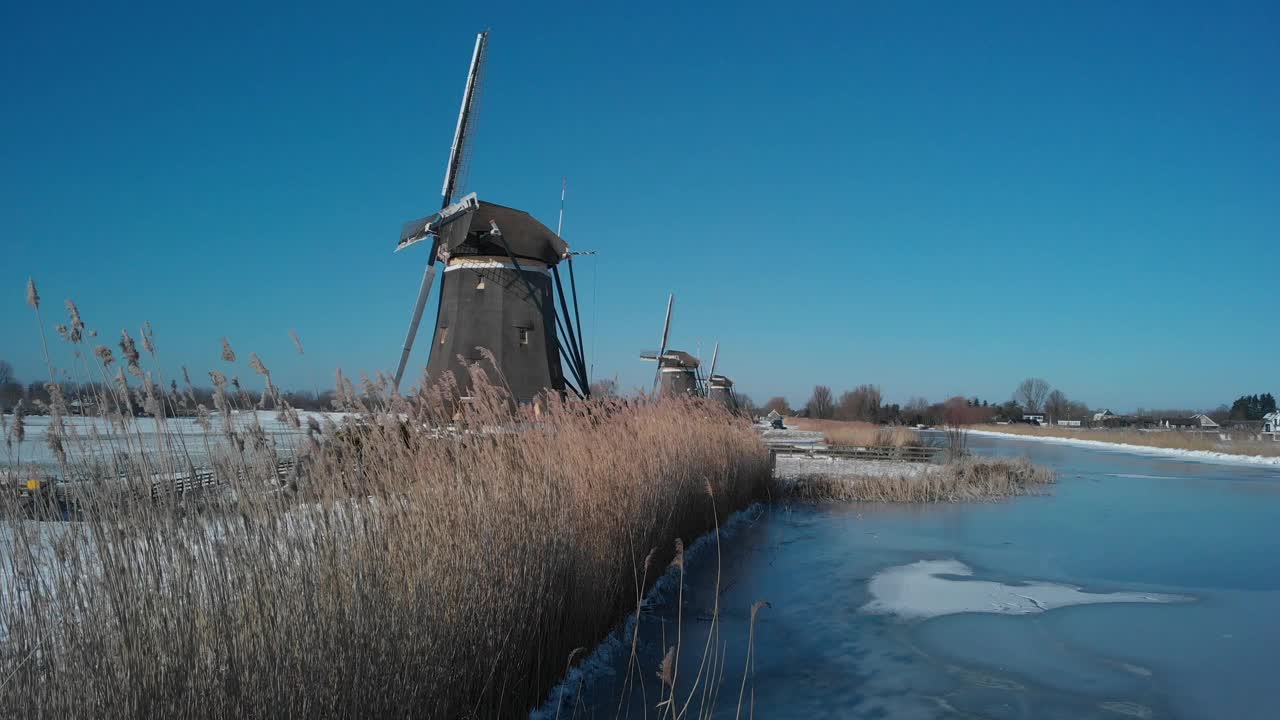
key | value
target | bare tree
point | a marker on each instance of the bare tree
(604, 388)
(860, 403)
(1031, 394)
(778, 403)
(1056, 406)
(10, 388)
(821, 405)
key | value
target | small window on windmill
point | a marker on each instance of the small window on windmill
(444, 333)
(523, 334)
(480, 282)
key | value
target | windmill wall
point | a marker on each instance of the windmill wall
(485, 304)
(677, 381)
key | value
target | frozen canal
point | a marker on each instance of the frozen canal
(1140, 587)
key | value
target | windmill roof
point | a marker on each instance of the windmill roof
(522, 232)
(526, 236)
(679, 358)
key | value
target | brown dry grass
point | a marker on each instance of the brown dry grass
(1236, 444)
(858, 434)
(961, 480)
(409, 573)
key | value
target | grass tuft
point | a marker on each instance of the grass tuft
(969, 478)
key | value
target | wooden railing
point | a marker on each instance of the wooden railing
(909, 453)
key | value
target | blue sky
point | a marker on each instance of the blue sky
(933, 198)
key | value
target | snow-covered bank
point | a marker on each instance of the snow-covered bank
(600, 663)
(1190, 455)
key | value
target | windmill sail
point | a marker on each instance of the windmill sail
(450, 182)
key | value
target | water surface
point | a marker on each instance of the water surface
(1137, 526)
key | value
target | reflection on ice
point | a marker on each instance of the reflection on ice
(932, 588)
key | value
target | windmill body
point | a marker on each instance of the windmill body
(497, 294)
(678, 375)
(720, 389)
(499, 289)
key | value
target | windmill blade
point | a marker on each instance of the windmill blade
(662, 349)
(427, 278)
(409, 234)
(465, 113)
(715, 354)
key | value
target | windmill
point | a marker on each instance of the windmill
(677, 372)
(719, 387)
(500, 285)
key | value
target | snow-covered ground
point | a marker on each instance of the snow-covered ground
(797, 466)
(1195, 455)
(88, 436)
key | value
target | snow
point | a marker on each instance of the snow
(99, 436)
(1188, 455)
(933, 588)
(795, 466)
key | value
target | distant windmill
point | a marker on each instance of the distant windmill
(677, 372)
(497, 292)
(719, 387)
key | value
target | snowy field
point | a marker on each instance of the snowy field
(98, 437)
(1195, 455)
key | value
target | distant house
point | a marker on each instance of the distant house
(1206, 422)
(1179, 423)
(81, 407)
(1106, 418)
(1070, 423)
(1271, 424)
(1035, 418)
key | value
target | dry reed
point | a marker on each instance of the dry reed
(408, 571)
(855, 433)
(961, 480)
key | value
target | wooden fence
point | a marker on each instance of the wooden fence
(910, 453)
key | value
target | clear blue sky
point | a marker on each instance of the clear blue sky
(934, 198)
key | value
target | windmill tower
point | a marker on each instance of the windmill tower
(719, 387)
(677, 373)
(500, 285)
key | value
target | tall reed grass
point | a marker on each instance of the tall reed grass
(859, 434)
(965, 479)
(409, 570)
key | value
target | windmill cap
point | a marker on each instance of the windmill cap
(679, 358)
(520, 231)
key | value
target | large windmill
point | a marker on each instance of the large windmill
(677, 373)
(500, 285)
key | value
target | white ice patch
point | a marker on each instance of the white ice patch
(917, 591)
